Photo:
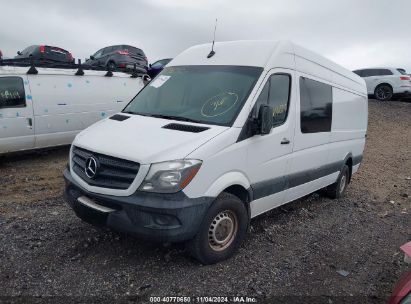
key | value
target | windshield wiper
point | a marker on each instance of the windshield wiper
(175, 118)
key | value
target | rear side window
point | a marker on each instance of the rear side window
(12, 92)
(376, 72)
(370, 73)
(384, 72)
(276, 93)
(315, 106)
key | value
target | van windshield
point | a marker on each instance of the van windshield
(203, 94)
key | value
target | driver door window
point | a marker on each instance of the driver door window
(276, 93)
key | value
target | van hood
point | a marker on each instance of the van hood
(144, 139)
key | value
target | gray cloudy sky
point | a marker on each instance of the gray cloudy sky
(354, 33)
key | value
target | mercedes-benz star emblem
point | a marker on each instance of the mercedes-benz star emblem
(91, 167)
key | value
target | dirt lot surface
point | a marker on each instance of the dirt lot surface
(293, 254)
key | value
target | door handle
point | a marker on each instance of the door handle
(285, 141)
(30, 123)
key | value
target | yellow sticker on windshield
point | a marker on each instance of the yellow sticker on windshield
(219, 104)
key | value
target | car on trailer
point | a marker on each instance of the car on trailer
(119, 57)
(45, 53)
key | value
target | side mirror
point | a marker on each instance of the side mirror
(149, 65)
(265, 119)
(146, 79)
(92, 57)
(19, 53)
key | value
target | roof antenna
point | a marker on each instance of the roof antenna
(212, 53)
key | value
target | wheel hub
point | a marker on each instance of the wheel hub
(383, 93)
(222, 230)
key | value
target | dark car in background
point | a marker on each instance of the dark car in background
(45, 53)
(155, 68)
(119, 57)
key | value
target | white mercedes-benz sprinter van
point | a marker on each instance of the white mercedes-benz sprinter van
(217, 139)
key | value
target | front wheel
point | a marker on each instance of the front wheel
(221, 231)
(383, 92)
(111, 66)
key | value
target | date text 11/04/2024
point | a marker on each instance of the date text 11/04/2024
(183, 299)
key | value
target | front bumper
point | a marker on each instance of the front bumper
(152, 216)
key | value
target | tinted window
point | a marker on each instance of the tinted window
(370, 73)
(316, 106)
(98, 54)
(12, 92)
(384, 72)
(207, 94)
(376, 72)
(160, 63)
(402, 71)
(358, 72)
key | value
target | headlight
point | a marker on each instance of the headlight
(171, 176)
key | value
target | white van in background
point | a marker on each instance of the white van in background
(217, 139)
(49, 108)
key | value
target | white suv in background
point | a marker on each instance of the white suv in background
(384, 83)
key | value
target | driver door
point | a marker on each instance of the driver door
(268, 156)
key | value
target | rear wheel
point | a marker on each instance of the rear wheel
(383, 92)
(337, 189)
(221, 231)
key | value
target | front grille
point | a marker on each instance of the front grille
(113, 173)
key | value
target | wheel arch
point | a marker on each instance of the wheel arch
(349, 162)
(235, 183)
(110, 60)
(384, 83)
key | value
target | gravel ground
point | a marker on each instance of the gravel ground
(293, 254)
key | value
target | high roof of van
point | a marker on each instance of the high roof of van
(261, 53)
(15, 70)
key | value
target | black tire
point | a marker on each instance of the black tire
(383, 92)
(337, 189)
(204, 246)
(111, 65)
